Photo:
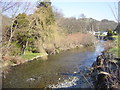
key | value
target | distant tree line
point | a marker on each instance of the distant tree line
(73, 25)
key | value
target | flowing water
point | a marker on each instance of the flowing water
(59, 71)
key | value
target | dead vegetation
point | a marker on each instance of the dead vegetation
(106, 72)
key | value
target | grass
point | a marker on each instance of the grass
(30, 55)
(116, 49)
(12, 61)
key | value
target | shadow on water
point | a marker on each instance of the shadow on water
(59, 68)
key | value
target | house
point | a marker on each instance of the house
(103, 33)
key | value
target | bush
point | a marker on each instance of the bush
(109, 33)
(14, 49)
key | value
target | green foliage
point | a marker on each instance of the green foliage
(50, 20)
(117, 29)
(21, 21)
(43, 3)
(116, 49)
(15, 49)
(23, 34)
(43, 22)
(46, 15)
(110, 33)
(32, 31)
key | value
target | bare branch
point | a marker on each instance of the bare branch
(113, 12)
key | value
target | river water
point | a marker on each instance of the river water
(59, 71)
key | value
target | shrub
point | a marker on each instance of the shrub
(109, 33)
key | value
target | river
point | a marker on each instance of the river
(59, 71)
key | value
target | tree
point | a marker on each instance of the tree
(109, 33)
(22, 33)
(42, 23)
(12, 9)
(42, 3)
(117, 29)
(58, 15)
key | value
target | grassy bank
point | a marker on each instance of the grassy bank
(17, 60)
(30, 55)
(116, 49)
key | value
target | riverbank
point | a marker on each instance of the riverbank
(11, 61)
(58, 69)
(116, 49)
(105, 71)
(99, 68)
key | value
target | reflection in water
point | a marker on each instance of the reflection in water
(58, 70)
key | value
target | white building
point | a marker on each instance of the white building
(104, 33)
